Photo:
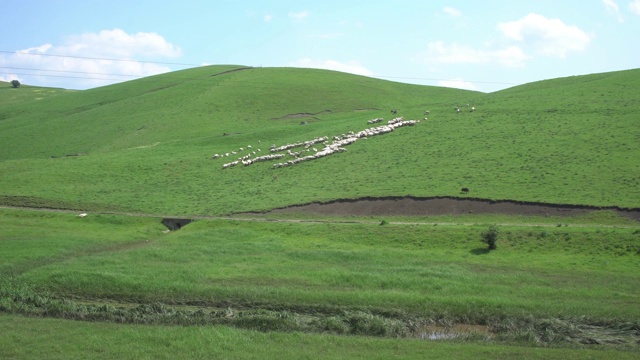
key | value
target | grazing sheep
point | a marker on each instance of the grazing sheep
(82, 215)
(338, 145)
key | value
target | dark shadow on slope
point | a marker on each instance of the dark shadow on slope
(480, 251)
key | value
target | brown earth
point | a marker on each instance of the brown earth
(301, 115)
(410, 206)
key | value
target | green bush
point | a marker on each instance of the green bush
(490, 237)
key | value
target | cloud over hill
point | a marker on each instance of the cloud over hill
(94, 58)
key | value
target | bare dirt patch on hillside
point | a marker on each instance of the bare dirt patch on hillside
(410, 206)
(301, 115)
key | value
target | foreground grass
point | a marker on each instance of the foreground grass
(22, 337)
(420, 269)
(401, 272)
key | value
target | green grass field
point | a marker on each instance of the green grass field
(145, 146)
(259, 285)
(55, 339)
(554, 286)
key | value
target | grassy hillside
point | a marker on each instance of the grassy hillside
(25, 93)
(145, 145)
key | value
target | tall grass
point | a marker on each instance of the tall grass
(52, 338)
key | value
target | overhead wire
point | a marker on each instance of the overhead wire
(142, 77)
(96, 58)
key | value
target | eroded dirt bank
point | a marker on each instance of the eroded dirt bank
(413, 206)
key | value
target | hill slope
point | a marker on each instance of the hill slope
(146, 145)
(25, 93)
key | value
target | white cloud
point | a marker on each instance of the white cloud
(452, 11)
(352, 67)
(440, 53)
(458, 83)
(10, 77)
(89, 60)
(119, 44)
(613, 9)
(299, 16)
(634, 6)
(267, 18)
(550, 37)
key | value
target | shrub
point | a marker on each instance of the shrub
(490, 237)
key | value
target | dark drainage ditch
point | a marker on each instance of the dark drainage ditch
(175, 224)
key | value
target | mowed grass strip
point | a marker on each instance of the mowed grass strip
(420, 270)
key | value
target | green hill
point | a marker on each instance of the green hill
(25, 93)
(146, 145)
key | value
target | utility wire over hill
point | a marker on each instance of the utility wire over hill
(187, 65)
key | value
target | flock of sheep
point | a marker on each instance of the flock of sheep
(336, 146)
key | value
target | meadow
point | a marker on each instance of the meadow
(146, 146)
(565, 286)
(303, 285)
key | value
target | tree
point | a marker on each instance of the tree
(490, 237)
(15, 83)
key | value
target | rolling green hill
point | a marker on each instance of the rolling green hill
(556, 286)
(146, 145)
(25, 93)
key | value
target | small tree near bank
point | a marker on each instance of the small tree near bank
(490, 237)
(15, 83)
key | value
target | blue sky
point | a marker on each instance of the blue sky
(480, 45)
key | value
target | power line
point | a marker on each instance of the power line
(62, 76)
(172, 79)
(96, 58)
(141, 77)
(197, 65)
(67, 71)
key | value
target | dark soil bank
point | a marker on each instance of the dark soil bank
(409, 206)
